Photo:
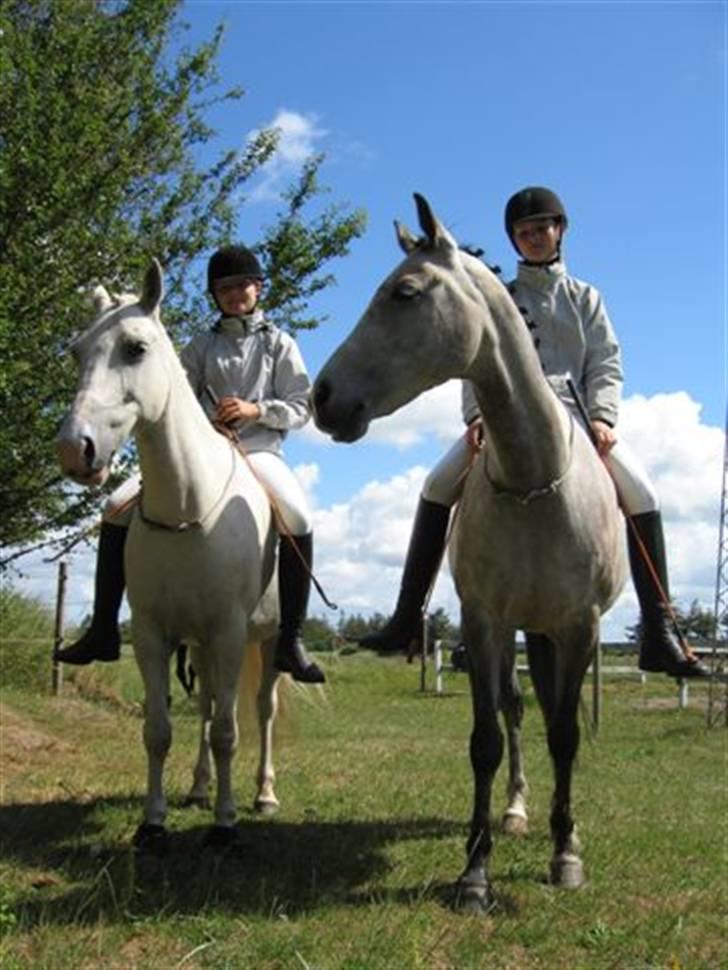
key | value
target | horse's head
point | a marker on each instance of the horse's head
(120, 379)
(414, 334)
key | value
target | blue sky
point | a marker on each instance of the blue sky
(620, 107)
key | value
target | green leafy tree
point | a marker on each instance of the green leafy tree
(441, 627)
(102, 128)
(354, 626)
(698, 622)
(319, 634)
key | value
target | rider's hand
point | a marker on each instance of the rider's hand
(474, 434)
(606, 437)
(232, 409)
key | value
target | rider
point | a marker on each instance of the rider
(573, 337)
(261, 388)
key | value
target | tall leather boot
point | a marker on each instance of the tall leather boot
(294, 585)
(660, 648)
(424, 553)
(102, 640)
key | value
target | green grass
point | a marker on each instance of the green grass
(357, 870)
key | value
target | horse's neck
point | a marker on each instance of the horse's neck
(184, 462)
(526, 428)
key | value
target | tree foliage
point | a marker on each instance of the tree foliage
(102, 128)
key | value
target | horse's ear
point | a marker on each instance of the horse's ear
(153, 290)
(433, 229)
(99, 299)
(406, 240)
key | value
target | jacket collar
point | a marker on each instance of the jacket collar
(242, 326)
(541, 277)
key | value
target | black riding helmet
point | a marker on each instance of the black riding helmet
(530, 203)
(232, 261)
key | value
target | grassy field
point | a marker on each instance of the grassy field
(357, 870)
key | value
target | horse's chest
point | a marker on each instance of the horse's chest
(526, 567)
(188, 584)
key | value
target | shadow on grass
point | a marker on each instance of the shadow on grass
(272, 869)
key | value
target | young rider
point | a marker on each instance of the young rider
(574, 338)
(261, 389)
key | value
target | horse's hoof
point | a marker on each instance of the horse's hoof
(151, 840)
(474, 896)
(197, 801)
(567, 871)
(515, 823)
(220, 837)
(266, 807)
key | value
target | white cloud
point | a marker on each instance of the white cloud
(308, 476)
(433, 415)
(299, 139)
(679, 452)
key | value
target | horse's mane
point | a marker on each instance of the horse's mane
(469, 248)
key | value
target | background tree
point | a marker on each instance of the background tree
(101, 131)
(441, 627)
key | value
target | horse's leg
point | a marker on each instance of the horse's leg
(515, 817)
(267, 703)
(485, 655)
(541, 663)
(152, 657)
(202, 774)
(227, 651)
(559, 690)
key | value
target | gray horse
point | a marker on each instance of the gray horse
(538, 541)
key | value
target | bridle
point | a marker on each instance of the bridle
(525, 498)
(191, 523)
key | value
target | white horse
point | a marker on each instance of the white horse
(538, 540)
(200, 554)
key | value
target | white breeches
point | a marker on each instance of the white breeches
(289, 497)
(276, 477)
(444, 484)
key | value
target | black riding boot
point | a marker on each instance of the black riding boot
(102, 640)
(424, 553)
(660, 648)
(294, 585)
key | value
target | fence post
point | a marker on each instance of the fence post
(437, 648)
(423, 661)
(57, 674)
(682, 693)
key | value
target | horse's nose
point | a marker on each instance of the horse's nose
(89, 451)
(338, 412)
(77, 453)
(321, 394)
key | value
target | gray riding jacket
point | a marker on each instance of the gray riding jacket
(249, 358)
(573, 337)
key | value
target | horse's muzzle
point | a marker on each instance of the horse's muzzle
(344, 417)
(78, 460)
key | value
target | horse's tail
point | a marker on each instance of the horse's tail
(257, 666)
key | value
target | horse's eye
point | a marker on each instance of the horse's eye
(134, 350)
(406, 290)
